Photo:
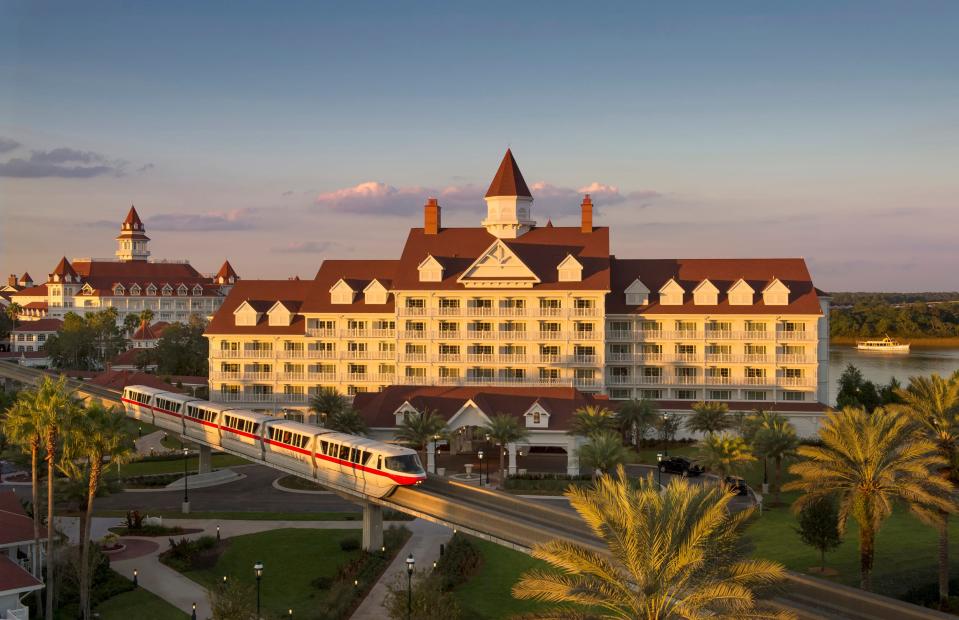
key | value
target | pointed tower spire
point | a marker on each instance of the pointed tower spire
(226, 274)
(508, 202)
(132, 240)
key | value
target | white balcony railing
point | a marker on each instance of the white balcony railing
(320, 332)
(619, 334)
(795, 335)
(795, 358)
(796, 381)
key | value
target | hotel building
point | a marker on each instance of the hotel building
(511, 303)
(132, 282)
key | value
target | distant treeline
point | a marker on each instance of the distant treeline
(851, 299)
(915, 320)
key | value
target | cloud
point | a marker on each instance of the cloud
(236, 219)
(8, 144)
(305, 247)
(146, 167)
(64, 155)
(62, 162)
(288, 192)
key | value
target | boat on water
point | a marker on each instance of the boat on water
(886, 345)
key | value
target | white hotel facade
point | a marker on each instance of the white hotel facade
(510, 303)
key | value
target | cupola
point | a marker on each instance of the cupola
(509, 202)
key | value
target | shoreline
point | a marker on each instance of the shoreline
(926, 343)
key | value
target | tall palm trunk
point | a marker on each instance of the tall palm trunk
(867, 552)
(501, 455)
(779, 475)
(85, 585)
(51, 454)
(35, 477)
(944, 560)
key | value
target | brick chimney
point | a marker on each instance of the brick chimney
(12, 280)
(587, 208)
(431, 217)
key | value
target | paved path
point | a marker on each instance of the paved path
(151, 444)
(424, 544)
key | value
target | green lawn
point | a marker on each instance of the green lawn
(487, 593)
(243, 516)
(291, 559)
(138, 603)
(140, 468)
(905, 550)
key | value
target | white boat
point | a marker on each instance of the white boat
(886, 345)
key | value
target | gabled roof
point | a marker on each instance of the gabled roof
(723, 273)
(226, 271)
(16, 580)
(357, 274)
(776, 283)
(64, 268)
(494, 262)
(133, 218)
(43, 325)
(508, 180)
(739, 284)
(25, 278)
(706, 285)
(149, 332)
(261, 295)
(15, 525)
(119, 379)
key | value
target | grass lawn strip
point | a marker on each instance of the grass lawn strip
(488, 592)
(173, 466)
(138, 603)
(240, 516)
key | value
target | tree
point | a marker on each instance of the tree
(146, 316)
(327, 403)
(233, 600)
(417, 429)
(504, 429)
(131, 323)
(180, 350)
(13, 312)
(708, 418)
(603, 452)
(819, 527)
(636, 418)
(592, 420)
(96, 435)
(856, 391)
(932, 403)
(669, 554)
(868, 461)
(85, 342)
(724, 454)
(428, 601)
(776, 440)
(348, 421)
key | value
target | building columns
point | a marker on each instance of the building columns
(512, 458)
(206, 460)
(372, 527)
(431, 457)
(572, 455)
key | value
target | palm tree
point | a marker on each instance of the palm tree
(13, 311)
(130, 324)
(327, 403)
(146, 316)
(603, 452)
(867, 461)
(96, 435)
(724, 454)
(636, 417)
(708, 418)
(418, 429)
(669, 554)
(22, 427)
(591, 420)
(933, 405)
(776, 439)
(349, 421)
(504, 429)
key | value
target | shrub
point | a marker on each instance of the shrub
(459, 561)
(349, 544)
(134, 520)
(322, 582)
(185, 554)
(429, 601)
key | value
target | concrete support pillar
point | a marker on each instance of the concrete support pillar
(431, 457)
(372, 527)
(512, 458)
(206, 459)
(572, 456)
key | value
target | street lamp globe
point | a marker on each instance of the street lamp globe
(410, 562)
(258, 569)
(480, 455)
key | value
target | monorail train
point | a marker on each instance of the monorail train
(330, 458)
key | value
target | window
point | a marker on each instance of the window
(549, 374)
(720, 395)
(651, 394)
(537, 417)
(793, 396)
(687, 394)
(755, 395)
(406, 463)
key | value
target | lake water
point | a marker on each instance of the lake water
(881, 367)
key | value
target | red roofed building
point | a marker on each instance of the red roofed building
(132, 282)
(119, 379)
(514, 304)
(21, 561)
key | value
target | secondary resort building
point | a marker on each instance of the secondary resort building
(513, 304)
(132, 282)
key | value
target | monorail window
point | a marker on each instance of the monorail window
(323, 446)
(407, 463)
(344, 453)
(366, 457)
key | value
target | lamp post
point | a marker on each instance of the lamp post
(435, 454)
(482, 467)
(193, 615)
(258, 571)
(665, 434)
(186, 484)
(136, 575)
(659, 469)
(410, 563)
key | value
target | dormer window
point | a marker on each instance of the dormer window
(570, 270)
(118, 290)
(431, 270)
(87, 289)
(375, 293)
(197, 290)
(279, 315)
(536, 416)
(167, 290)
(151, 289)
(776, 294)
(246, 315)
(740, 294)
(637, 293)
(182, 290)
(706, 294)
(342, 293)
(135, 289)
(671, 294)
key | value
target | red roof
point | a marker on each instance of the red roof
(8, 355)
(723, 273)
(540, 249)
(119, 379)
(133, 218)
(103, 275)
(36, 305)
(16, 579)
(377, 408)
(261, 294)
(126, 358)
(508, 180)
(150, 332)
(15, 525)
(64, 268)
(33, 291)
(358, 274)
(43, 325)
(25, 278)
(226, 272)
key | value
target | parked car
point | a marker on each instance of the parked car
(680, 465)
(737, 485)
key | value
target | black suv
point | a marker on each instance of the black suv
(679, 465)
(737, 485)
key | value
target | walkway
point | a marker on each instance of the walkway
(151, 444)
(424, 544)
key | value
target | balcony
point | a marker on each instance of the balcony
(587, 382)
(260, 399)
(475, 334)
(551, 335)
(549, 312)
(313, 377)
(368, 355)
(619, 380)
(413, 357)
(757, 358)
(584, 360)
(507, 311)
(258, 353)
(795, 358)
(320, 332)
(449, 311)
(687, 380)
(721, 358)
(579, 312)
(795, 335)
(721, 334)
(719, 380)
(414, 334)
(513, 334)
(291, 354)
(370, 377)
(513, 358)
(582, 334)
(620, 357)
(649, 334)
(412, 311)
(687, 358)
(314, 354)
(227, 354)
(757, 335)
(796, 381)
(546, 359)
(449, 357)
(758, 381)
(368, 333)
(449, 334)
(650, 380)
(684, 334)
(619, 334)
(480, 358)
(479, 311)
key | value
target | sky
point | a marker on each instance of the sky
(280, 134)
